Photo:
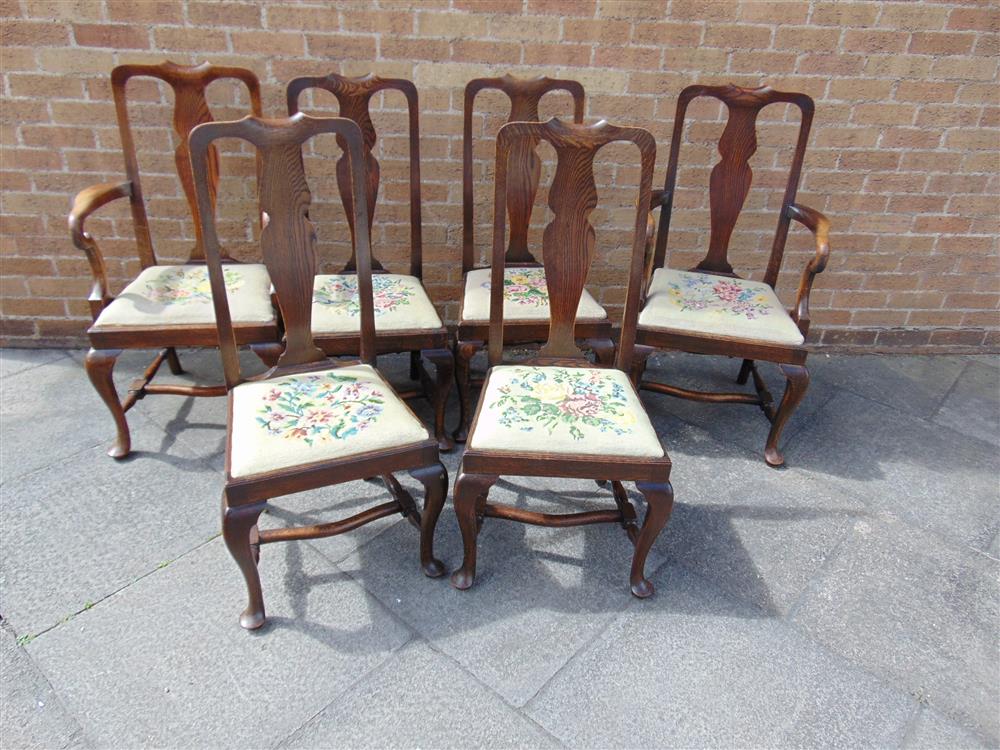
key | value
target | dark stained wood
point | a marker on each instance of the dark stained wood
(729, 184)
(353, 96)
(568, 249)
(288, 247)
(190, 109)
(523, 173)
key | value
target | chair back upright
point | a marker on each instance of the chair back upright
(288, 237)
(568, 240)
(730, 179)
(525, 168)
(354, 96)
(189, 83)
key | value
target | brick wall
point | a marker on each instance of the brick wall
(903, 155)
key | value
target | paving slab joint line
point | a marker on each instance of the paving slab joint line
(951, 389)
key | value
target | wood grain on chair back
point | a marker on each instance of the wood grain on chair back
(568, 241)
(525, 169)
(189, 83)
(288, 237)
(354, 95)
(731, 177)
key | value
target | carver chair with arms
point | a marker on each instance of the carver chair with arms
(525, 291)
(166, 306)
(709, 309)
(307, 422)
(557, 414)
(405, 318)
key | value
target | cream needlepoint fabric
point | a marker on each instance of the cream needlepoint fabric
(525, 296)
(401, 303)
(181, 295)
(574, 410)
(703, 303)
(316, 416)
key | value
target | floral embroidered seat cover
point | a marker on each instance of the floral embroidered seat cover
(401, 303)
(525, 296)
(692, 302)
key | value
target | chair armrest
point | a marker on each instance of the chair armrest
(84, 204)
(819, 225)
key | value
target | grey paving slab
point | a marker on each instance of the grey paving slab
(13, 361)
(740, 424)
(48, 413)
(31, 714)
(921, 613)
(540, 594)
(83, 527)
(757, 533)
(699, 669)
(936, 478)
(915, 385)
(419, 698)
(972, 407)
(165, 663)
(933, 731)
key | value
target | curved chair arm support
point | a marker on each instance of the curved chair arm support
(84, 204)
(819, 225)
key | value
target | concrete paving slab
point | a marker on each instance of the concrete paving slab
(758, 533)
(31, 714)
(419, 698)
(935, 478)
(13, 361)
(540, 594)
(901, 604)
(933, 731)
(165, 663)
(914, 385)
(972, 407)
(702, 670)
(80, 529)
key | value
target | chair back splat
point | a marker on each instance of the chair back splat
(354, 95)
(730, 179)
(190, 109)
(568, 240)
(288, 237)
(525, 168)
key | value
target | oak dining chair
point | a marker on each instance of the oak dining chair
(167, 305)
(556, 414)
(524, 281)
(709, 309)
(405, 317)
(307, 422)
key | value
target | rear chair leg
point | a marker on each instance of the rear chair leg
(604, 351)
(640, 355)
(795, 390)
(239, 525)
(745, 369)
(268, 352)
(464, 352)
(434, 478)
(470, 491)
(660, 501)
(100, 365)
(444, 375)
(174, 362)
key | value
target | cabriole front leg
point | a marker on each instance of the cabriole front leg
(239, 525)
(470, 490)
(100, 365)
(434, 478)
(660, 501)
(795, 390)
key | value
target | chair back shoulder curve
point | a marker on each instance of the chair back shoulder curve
(525, 170)
(288, 237)
(730, 179)
(189, 83)
(568, 240)
(354, 95)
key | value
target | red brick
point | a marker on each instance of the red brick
(115, 36)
